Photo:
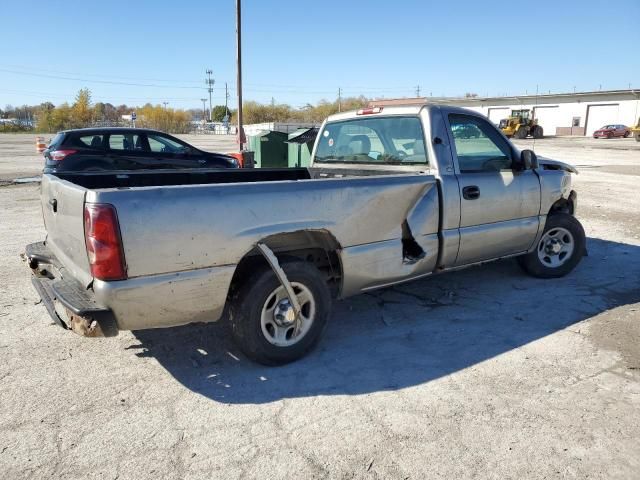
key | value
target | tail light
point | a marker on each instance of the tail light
(104, 245)
(59, 155)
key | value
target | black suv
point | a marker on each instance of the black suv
(100, 149)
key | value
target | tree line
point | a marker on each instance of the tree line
(83, 112)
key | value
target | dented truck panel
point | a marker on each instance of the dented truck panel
(220, 224)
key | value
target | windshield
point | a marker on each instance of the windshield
(384, 140)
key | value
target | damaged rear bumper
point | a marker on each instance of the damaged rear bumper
(69, 304)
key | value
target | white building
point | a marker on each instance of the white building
(558, 113)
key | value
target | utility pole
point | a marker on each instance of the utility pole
(165, 104)
(204, 109)
(226, 99)
(239, 71)
(339, 99)
(417, 91)
(210, 81)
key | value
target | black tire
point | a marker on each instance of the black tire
(626, 134)
(638, 137)
(538, 132)
(247, 307)
(522, 133)
(533, 265)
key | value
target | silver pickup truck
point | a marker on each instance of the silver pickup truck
(393, 194)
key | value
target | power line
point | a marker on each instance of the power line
(271, 87)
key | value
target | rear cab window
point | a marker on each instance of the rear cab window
(382, 140)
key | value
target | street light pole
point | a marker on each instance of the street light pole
(239, 71)
(204, 109)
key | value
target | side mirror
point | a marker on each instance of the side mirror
(528, 160)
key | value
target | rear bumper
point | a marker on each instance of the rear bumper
(153, 301)
(71, 306)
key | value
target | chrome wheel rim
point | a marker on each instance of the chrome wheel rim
(556, 247)
(278, 320)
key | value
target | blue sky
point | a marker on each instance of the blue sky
(299, 52)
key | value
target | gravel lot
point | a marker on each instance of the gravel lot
(482, 373)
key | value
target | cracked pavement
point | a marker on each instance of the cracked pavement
(480, 373)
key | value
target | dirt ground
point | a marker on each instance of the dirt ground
(481, 373)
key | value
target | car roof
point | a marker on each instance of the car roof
(104, 130)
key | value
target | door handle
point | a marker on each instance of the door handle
(54, 205)
(471, 192)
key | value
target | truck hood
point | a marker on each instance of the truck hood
(550, 164)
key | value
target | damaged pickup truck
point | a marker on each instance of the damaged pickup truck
(393, 194)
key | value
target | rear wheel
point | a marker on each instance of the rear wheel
(522, 132)
(626, 134)
(263, 321)
(538, 132)
(560, 249)
(638, 137)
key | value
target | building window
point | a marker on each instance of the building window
(575, 122)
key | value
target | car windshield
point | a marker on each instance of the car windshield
(390, 140)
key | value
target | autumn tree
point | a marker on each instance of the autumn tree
(81, 111)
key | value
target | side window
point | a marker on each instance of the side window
(88, 141)
(162, 144)
(479, 147)
(130, 142)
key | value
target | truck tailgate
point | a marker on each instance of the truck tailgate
(63, 212)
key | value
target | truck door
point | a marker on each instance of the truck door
(499, 206)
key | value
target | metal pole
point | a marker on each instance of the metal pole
(210, 82)
(239, 70)
(226, 99)
(204, 109)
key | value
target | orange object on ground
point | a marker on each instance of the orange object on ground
(41, 146)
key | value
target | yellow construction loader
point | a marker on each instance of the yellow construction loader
(521, 125)
(635, 131)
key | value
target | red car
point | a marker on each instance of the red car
(610, 131)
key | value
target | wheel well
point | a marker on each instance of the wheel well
(563, 205)
(315, 246)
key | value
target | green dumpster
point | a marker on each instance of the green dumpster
(300, 146)
(270, 149)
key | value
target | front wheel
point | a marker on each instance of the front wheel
(263, 321)
(560, 249)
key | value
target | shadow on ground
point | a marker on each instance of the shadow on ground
(406, 335)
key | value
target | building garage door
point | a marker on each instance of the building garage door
(600, 115)
(548, 119)
(497, 114)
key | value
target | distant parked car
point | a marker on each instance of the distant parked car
(610, 131)
(108, 149)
